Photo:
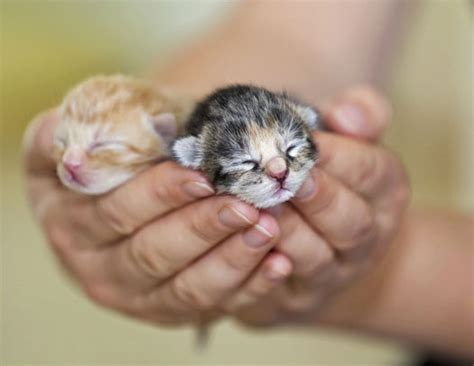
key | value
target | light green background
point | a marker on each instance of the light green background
(49, 46)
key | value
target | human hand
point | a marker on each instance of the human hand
(343, 219)
(108, 243)
(154, 248)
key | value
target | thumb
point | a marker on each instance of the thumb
(38, 143)
(360, 112)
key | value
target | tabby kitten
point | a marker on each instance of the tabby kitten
(251, 143)
(111, 128)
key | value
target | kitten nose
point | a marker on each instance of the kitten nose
(276, 168)
(73, 160)
(72, 167)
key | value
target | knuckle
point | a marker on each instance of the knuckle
(375, 172)
(393, 168)
(112, 216)
(261, 290)
(366, 170)
(242, 262)
(394, 177)
(107, 296)
(325, 196)
(59, 238)
(324, 258)
(162, 193)
(347, 272)
(254, 293)
(363, 231)
(365, 227)
(205, 228)
(148, 258)
(188, 294)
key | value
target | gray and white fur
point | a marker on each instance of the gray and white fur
(251, 143)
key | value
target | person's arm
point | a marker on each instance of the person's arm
(314, 49)
(423, 291)
(166, 200)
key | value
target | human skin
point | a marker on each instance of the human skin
(421, 292)
(154, 280)
(109, 243)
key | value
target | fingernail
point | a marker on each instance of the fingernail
(198, 189)
(278, 271)
(257, 236)
(351, 118)
(231, 216)
(307, 189)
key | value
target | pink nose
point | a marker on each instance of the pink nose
(74, 171)
(277, 169)
(73, 159)
(72, 166)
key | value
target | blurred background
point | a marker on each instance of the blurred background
(46, 47)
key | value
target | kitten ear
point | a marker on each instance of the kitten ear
(188, 151)
(164, 125)
(310, 115)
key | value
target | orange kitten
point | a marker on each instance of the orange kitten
(111, 128)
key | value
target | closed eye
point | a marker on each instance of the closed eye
(249, 164)
(239, 166)
(292, 150)
(108, 145)
(60, 143)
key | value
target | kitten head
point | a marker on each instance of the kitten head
(105, 136)
(263, 156)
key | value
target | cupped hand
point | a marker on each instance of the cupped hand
(161, 248)
(340, 222)
(164, 249)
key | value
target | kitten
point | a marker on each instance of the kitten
(251, 143)
(111, 128)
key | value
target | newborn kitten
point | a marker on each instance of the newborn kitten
(111, 128)
(251, 143)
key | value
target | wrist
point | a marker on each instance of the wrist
(361, 305)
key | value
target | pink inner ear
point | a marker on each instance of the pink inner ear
(165, 125)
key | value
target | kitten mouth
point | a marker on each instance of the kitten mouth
(74, 178)
(281, 194)
(281, 190)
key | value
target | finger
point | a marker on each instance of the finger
(273, 270)
(361, 112)
(205, 284)
(100, 220)
(367, 169)
(154, 193)
(344, 219)
(308, 251)
(163, 248)
(38, 144)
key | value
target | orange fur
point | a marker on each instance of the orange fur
(114, 108)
